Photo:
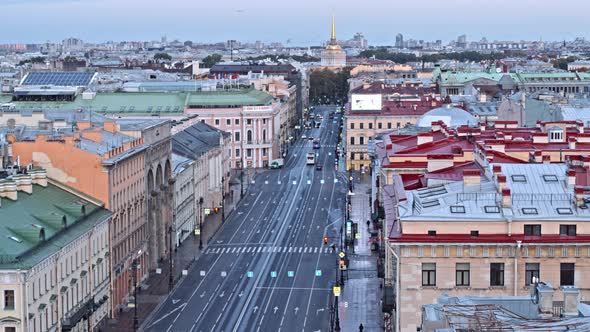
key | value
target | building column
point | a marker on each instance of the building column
(152, 226)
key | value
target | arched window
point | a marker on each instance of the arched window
(249, 136)
(264, 135)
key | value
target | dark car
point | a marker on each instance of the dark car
(318, 167)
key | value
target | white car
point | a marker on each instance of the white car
(303, 136)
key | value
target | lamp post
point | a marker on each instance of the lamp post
(170, 277)
(134, 266)
(201, 223)
(242, 180)
(337, 325)
(222, 199)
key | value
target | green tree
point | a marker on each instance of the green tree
(35, 59)
(561, 63)
(211, 60)
(329, 87)
(162, 56)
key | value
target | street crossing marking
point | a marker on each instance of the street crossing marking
(268, 249)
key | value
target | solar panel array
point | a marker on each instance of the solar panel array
(58, 78)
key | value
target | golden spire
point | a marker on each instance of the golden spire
(333, 38)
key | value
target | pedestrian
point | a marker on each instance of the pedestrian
(368, 223)
(361, 327)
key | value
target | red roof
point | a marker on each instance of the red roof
(488, 238)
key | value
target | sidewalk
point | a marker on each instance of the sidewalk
(154, 290)
(360, 301)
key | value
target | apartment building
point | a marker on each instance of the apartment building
(488, 235)
(55, 256)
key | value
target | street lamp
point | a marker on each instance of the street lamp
(134, 266)
(222, 199)
(171, 277)
(337, 325)
(201, 223)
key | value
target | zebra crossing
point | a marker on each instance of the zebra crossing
(268, 250)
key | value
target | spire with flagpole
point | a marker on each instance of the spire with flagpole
(333, 37)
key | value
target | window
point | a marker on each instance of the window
(352, 156)
(237, 122)
(228, 122)
(352, 141)
(249, 136)
(531, 270)
(361, 140)
(9, 329)
(550, 178)
(237, 136)
(361, 125)
(249, 153)
(492, 209)
(352, 125)
(9, 300)
(533, 230)
(379, 125)
(474, 233)
(237, 152)
(432, 233)
(217, 122)
(529, 211)
(567, 230)
(398, 124)
(518, 178)
(567, 274)
(556, 135)
(370, 125)
(389, 125)
(248, 121)
(462, 274)
(264, 152)
(497, 274)
(457, 209)
(564, 211)
(263, 121)
(428, 274)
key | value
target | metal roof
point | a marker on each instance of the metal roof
(58, 78)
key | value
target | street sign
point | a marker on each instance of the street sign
(250, 274)
(336, 290)
(291, 274)
(273, 274)
(197, 231)
(318, 273)
(341, 254)
(358, 236)
(348, 228)
(207, 212)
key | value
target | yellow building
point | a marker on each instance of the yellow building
(333, 56)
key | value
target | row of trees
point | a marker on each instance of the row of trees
(329, 87)
(384, 54)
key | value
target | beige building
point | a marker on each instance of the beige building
(54, 270)
(487, 235)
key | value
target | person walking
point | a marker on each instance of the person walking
(361, 327)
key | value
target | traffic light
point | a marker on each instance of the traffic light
(216, 210)
(341, 264)
(325, 240)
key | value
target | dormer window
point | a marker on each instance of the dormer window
(555, 134)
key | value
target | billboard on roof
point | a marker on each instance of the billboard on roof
(366, 102)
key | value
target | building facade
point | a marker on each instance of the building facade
(55, 261)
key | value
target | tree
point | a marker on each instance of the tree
(384, 54)
(162, 56)
(561, 63)
(35, 59)
(328, 87)
(211, 60)
(188, 43)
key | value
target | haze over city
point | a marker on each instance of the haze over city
(303, 22)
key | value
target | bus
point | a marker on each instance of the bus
(311, 158)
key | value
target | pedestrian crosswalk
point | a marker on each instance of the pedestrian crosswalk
(267, 250)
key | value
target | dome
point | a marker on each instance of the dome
(451, 116)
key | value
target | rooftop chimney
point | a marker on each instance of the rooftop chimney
(546, 159)
(579, 195)
(572, 143)
(471, 177)
(506, 198)
(545, 300)
(571, 178)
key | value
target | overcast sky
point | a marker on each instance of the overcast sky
(303, 22)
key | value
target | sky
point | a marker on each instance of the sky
(292, 22)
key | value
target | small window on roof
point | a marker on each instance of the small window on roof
(457, 209)
(550, 178)
(518, 178)
(474, 233)
(432, 203)
(529, 211)
(564, 211)
(431, 233)
(491, 209)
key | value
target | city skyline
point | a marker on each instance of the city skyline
(147, 20)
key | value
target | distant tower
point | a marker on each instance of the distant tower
(333, 55)
(399, 41)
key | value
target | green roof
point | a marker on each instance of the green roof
(463, 77)
(247, 97)
(21, 222)
(141, 103)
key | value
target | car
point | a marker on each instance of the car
(318, 167)
(310, 138)
(303, 136)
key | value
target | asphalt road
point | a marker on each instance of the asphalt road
(268, 269)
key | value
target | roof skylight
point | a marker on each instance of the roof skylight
(529, 211)
(518, 178)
